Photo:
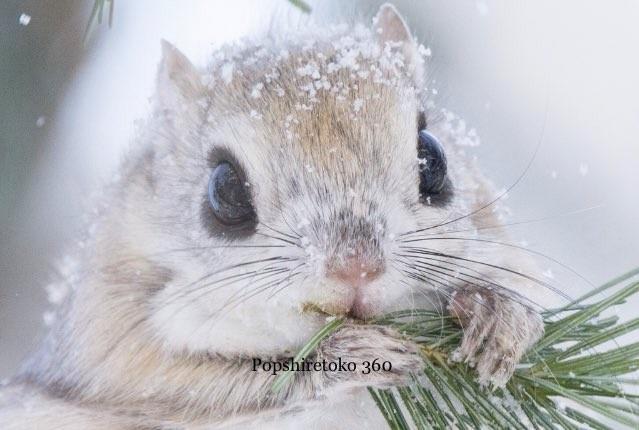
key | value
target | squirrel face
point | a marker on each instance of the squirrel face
(279, 183)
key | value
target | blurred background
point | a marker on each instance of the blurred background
(559, 74)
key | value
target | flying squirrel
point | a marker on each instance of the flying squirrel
(287, 181)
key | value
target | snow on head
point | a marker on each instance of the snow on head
(226, 72)
(315, 66)
(348, 67)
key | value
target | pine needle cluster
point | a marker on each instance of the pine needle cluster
(579, 375)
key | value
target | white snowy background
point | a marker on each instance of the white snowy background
(563, 72)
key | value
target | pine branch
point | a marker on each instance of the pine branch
(301, 5)
(562, 366)
(96, 16)
(99, 6)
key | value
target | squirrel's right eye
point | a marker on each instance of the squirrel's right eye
(433, 178)
(229, 196)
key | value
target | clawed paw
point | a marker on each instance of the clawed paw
(497, 332)
(365, 344)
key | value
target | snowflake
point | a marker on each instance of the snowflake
(24, 19)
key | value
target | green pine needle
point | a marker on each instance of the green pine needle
(96, 16)
(562, 368)
(329, 328)
(99, 6)
(301, 5)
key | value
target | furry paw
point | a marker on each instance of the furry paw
(362, 344)
(497, 332)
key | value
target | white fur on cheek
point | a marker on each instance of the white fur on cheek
(214, 321)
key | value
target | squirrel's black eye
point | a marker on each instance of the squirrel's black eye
(229, 197)
(433, 180)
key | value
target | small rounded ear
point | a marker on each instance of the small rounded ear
(177, 80)
(390, 27)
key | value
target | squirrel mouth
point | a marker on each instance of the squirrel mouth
(356, 310)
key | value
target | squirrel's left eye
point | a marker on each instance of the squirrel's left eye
(433, 179)
(229, 197)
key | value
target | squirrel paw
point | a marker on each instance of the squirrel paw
(497, 332)
(365, 345)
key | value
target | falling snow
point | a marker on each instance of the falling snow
(24, 19)
(458, 131)
(49, 318)
(424, 51)
(56, 292)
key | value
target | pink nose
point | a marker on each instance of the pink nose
(356, 271)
